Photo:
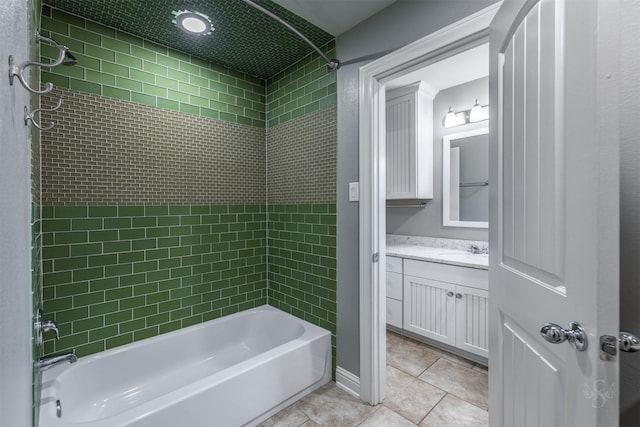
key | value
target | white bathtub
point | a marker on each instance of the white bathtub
(233, 371)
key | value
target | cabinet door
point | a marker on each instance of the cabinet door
(429, 308)
(401, 147)
(472, 316)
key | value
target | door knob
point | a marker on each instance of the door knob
(575, 334)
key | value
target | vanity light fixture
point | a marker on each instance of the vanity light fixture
(477, 113)
(450, 119)
(193, 22)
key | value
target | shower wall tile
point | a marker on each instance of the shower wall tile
(303, 88)
(118, 65)
(118, 274)
(301, 159)
(301, 241)
(160, 209)
(105, 152)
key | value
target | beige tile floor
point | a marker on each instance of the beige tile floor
(425, 387)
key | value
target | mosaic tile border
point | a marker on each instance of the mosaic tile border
(118, 65)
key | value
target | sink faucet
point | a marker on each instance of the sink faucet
(51, 361)
(475, 249)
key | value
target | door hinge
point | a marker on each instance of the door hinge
(375, 257)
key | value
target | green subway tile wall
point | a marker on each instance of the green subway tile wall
(118, 65)
(160, 211)
(302, 262)
(301, 191)
(118, 274)
(301, 89)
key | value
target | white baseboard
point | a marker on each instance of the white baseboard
(348, 382)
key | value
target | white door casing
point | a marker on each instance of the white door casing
(460, 35)
(554, 210)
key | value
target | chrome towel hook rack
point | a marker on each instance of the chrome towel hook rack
(28, 116)
(64, 58)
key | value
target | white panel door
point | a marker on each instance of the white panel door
(554, 217)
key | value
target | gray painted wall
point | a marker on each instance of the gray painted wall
(427, 221)
(15, 233)
(630, 210)
(396, 26)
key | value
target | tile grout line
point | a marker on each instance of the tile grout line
(434, 407)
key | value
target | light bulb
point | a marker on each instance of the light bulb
(476, 114)
(450, 119)
(193, 24)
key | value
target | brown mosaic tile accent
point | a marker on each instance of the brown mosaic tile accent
(301, 159)
(104, 151)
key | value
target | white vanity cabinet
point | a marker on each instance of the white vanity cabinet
(447, 303)
(409, 142)
(394, 291)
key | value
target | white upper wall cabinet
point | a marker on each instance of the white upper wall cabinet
(409, 143)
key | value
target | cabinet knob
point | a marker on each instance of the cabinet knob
(459, 296)
(449, 294)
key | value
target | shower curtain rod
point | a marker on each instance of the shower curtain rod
(333, 64)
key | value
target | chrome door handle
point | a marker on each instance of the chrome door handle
(575, 334)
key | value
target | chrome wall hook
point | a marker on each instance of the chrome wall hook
(28, 116)
(64, 57)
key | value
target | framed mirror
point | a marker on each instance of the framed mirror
(465, 179)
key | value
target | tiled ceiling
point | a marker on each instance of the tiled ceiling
(244, 38)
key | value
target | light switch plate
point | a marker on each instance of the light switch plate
(354, 191)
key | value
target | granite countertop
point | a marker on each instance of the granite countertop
(444, 255)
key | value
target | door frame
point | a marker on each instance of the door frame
(448, 41)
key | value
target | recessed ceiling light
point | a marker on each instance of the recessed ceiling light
(193, 22)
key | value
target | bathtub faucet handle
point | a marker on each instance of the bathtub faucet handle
(50, 325)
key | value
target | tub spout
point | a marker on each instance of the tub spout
(51, 361)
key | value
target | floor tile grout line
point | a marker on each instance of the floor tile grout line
(401, 414)
(371, 414)
(454, 395)
(434, 407)
(433, 363)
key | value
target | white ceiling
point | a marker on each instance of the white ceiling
(334, 16)
(469, 65)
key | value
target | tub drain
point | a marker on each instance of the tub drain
(58, 408)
